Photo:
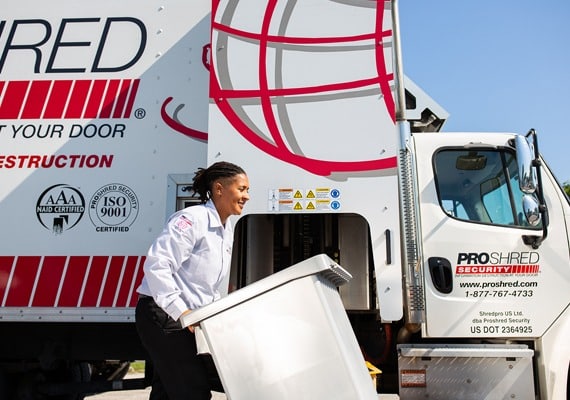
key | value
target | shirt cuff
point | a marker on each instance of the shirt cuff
(176, 308)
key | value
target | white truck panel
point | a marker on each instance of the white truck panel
(95, 121)
(309, 114)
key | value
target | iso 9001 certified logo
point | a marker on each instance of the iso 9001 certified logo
(113, 208)
(60, 207)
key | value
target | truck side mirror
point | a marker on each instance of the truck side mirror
(531, 209)
(530, 183)
(525, 157)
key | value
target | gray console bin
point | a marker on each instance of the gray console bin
(285, 337)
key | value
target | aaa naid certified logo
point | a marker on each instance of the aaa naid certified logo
(113, 208)
(60, 207)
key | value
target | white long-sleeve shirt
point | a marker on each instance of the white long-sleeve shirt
(187, 265)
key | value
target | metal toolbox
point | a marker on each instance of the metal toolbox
(467, 372)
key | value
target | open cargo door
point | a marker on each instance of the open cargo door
(301, 97)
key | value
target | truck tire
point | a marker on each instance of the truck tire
(78, 372)
(39, 387)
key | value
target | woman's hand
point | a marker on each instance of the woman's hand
(191, 327)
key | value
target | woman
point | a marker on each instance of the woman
(186, 268)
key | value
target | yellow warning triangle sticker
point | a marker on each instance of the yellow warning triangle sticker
(310, 206)
(298, 195)
(298, 206)
(311, 194)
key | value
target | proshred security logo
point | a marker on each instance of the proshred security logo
(60, 207)
(498, 263)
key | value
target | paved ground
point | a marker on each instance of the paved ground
(143, 394)
(137, 394)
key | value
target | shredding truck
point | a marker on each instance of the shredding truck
(457, 242)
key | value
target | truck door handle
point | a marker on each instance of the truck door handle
(441, 274)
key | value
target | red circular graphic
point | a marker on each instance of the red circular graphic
(264, 96)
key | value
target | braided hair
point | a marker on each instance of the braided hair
(204, 178)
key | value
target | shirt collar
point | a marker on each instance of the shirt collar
(214, 217)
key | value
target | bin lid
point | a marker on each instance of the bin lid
(320, 264)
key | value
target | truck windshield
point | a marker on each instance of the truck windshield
(480, 186)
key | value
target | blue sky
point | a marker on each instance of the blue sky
(495, 65)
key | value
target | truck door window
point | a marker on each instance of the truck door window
(454, 208)
(480, 186)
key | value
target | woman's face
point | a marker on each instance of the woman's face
(231, 195)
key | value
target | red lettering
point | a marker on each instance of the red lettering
(36, 161)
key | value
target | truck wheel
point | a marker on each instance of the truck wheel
(78, 372)
(72, 373)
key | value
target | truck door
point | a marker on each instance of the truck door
(302, 100)
(481, 279)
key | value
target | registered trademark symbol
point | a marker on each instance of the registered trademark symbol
(140, 113)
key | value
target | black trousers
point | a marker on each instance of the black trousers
(179, 372)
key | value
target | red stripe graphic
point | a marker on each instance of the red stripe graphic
(77, 100)
(36, 100)
(131, 102)
(94, 281)
(73, 282)
(48, 281)
(110, 96)
(121, 98)
(6, 267)
(111, 282)
(57, 99)
(22, 284)
(94, 102)
(76, 281)
(13, 99)
(67, 99)
(126, 282)
(525, 269)
(136, 283)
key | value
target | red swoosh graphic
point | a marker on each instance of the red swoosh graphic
(177, 126)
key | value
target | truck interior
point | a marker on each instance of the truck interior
(480, 185)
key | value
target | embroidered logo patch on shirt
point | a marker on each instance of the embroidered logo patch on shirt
(182, 223)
